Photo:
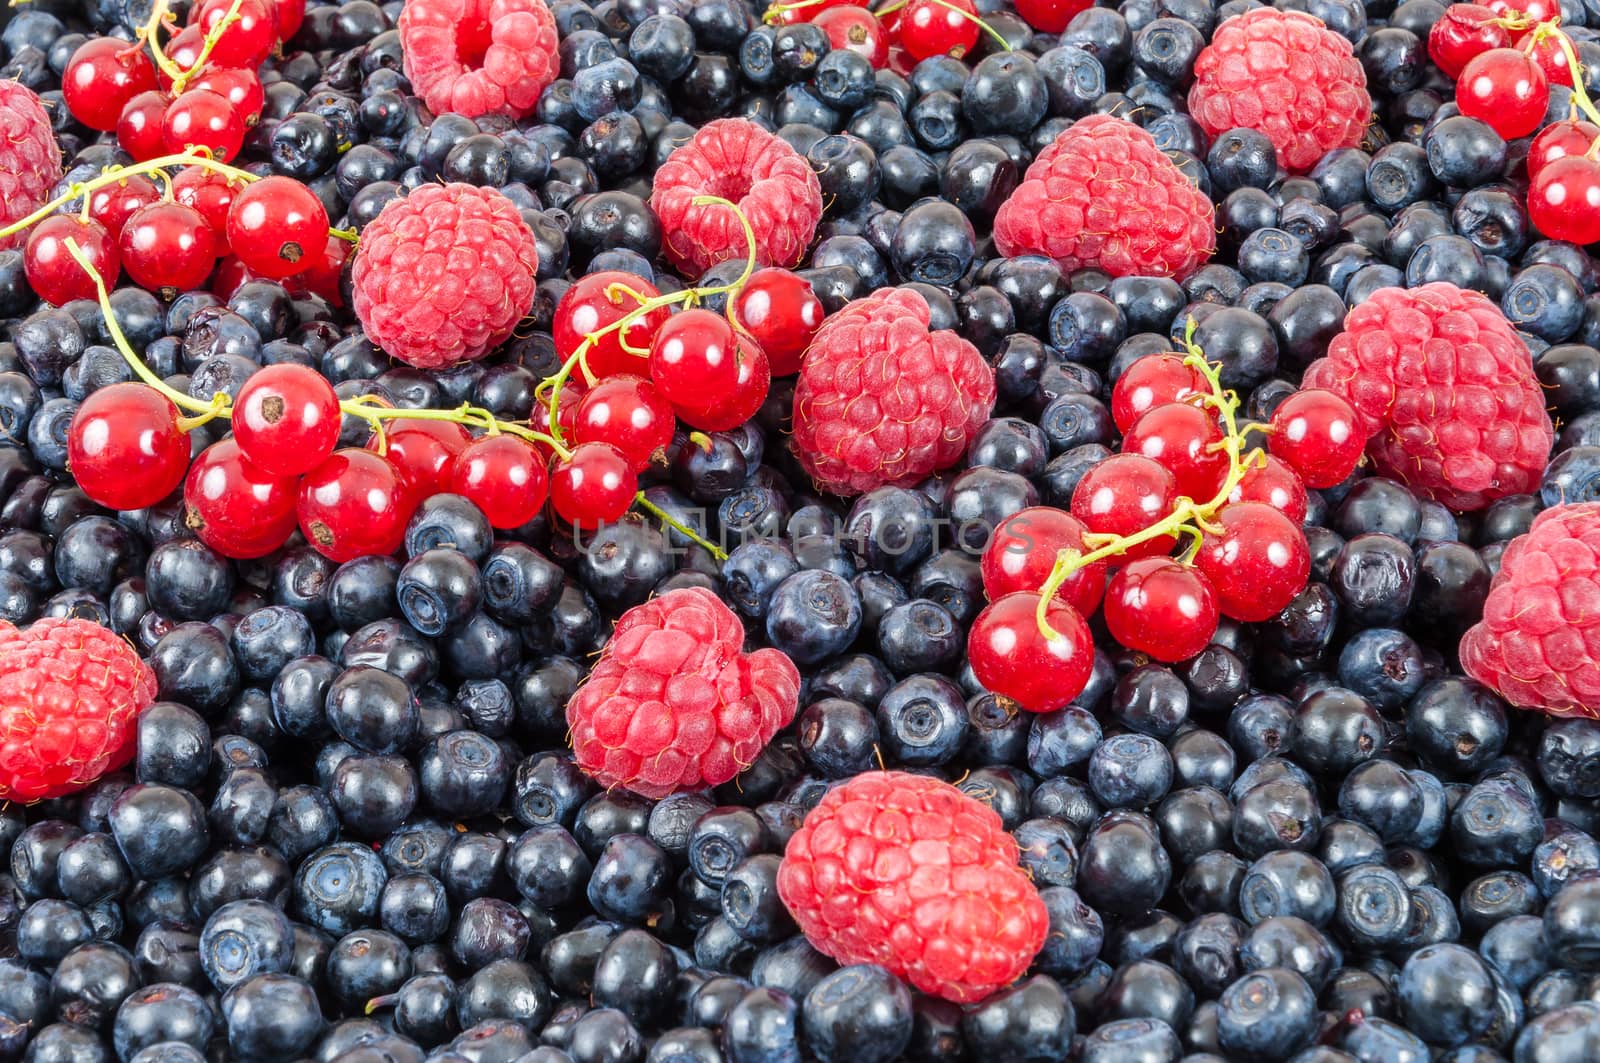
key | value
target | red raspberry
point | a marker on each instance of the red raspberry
(1104, 195)
(739, 161)
(910, 873)
(476, 57)
(1446, 392)
(70, 691)
(674, 703)
(1538, 643)
(30, 161)
(881, 400)
(1287, 75)
(444, 274)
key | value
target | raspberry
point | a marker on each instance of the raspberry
(1444, 390)
(881, 400)
(476, 57)
(30, 161)
(1286, 75)
(444, 274)
(1103, 195)
(69, 693)
(1538, 644)
(674, 703)
(739, 161)
(910, 873)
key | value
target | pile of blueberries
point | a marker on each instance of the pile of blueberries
(1322, 792)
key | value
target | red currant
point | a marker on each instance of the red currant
(286, 419)
(139, 126)
(504, 476)
(1159, 607)
(184, 50)
(1185, 439)
(744, 399)
(1051, 16)
(353, 504)
(237, 509)
(1012, 657)
(1546, 51)
(167, 248)
(101, 77)
(322, 277)
(1463, 33)
(274, 226)
(598, 300)
(425, 452)
(858, 30)
(1275, 484)
(779, 308)
(54, 274)
(289, 14)
(1125, 494)
(593, 486)
(1564, 199)
(241, 88)
(245, 41)
(1560, 140)
(930, 28)
(1317, 433)
(230, 273)
(1258, 563)
(1506, 89)
(1152, 381)
(809, 12)
(1535, 10)
(202, 118)
(111, 205)
(210, 193)
(125, 447)
(630, 414)
(1022, 552)
(692, 360)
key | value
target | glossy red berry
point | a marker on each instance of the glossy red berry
(1123, 495)
(1257, 563)
(1186, 440)
(237, 509)
(1315, 431)
(1152, 381)
(1546, 51)
(247, 39)
(322, 277)
(353, 504)
(596, 301)
(504, 476)
(425, 452)
(125, 447)
(184, 50)
(749, 391)
(1023, 551)
(781, 310)
(210, 193)
(1161, 608)
(1506, 89)
(858, 30)
(275, 225)
(1012, 657)
(202, 118)
(241, 88)
(930, 28)
(693, 362)
(286, 419)
(1558, 140)
(1564, 199)
(630, 414)
(595, 485)
(111, 205)
(788, 12)
(1461, 34)
(53, 274)
(139, 125)
(1051, 16)
(101, 77)
(1275, 484)
(289, 15)
(167, 248)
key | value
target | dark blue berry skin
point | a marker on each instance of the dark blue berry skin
(813, 615)
(1032, 1019)
(861, 1013)
(631, 879)
(923, 720)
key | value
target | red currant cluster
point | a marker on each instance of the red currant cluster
(1246, 557)
(901, 34)
(199, 89)
(1505, 56)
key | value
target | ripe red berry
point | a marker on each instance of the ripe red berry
(598, 300)
(595, 485)
(286, 419)
(241, 88)
(1012, 657)
(504, 476)
(779, 308)
(1564, 199)
(290, 14)
(1051, 16)
(742, 401)
(1185, 439)
(1546, 52)
(1125, 494)
(1275, 484)
(275, 225)
(167, 248)
(1152, 381)
(139, 125)
(692, 360)
(1315, 431)
(237, 509)
(353, 504)
(1023, 550)
(111, 205)
(809, 12)
(1257, 564)
(246, 40)
(1159, 607)
(425, 452)
(630, 414)
(184, 50)
(202, 118)
(1506, 89)
(1463, 33)
(928, 28)
(53, 274)
(101, 77)
(1558, 140)
(858, 30)
(1535, 10)
(210, 193)
(125, 448)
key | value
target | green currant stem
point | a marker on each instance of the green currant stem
(211, 39)
(773, 13)
(1188, 517)
(349, 236)
(682, 529)
(150, 35)
(948, 6)
(220, 407)
(1579, 94)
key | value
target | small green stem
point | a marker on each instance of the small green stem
(1579, 94)
(215, 35)
(776, 12)
(682, 529)
(113, 174)
(149, 35)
